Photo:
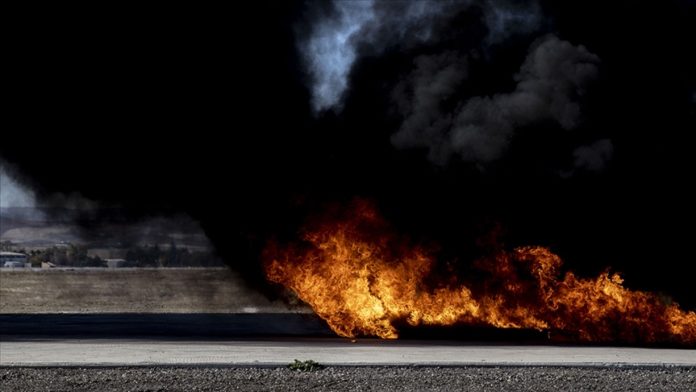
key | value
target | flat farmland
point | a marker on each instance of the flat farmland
(129, 290)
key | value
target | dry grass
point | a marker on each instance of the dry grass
(196, 290)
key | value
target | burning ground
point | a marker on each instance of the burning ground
(568, 122)
(365, 280)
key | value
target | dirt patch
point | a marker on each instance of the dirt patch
(142, 290)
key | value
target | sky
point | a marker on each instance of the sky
(568, 124)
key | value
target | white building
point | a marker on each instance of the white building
(13, 260)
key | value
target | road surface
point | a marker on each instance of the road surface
(328, 351)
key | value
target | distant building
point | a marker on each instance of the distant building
(115, 263)
(47, 264)
(13, 260)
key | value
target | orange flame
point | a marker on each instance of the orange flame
(363, 280)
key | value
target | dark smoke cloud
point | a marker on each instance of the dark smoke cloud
(17, 191)
(12, 192)
(550, 83)
(594, 156)
(420, 100)
(505, 18)
(432, 102)
(340, 34)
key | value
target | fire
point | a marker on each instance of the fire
(364, 281)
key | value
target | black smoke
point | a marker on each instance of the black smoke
(568, 123)
(549, 84)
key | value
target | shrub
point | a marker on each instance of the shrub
(305, 366)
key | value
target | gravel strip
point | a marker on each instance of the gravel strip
(349, 379)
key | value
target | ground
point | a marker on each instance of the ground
(72, 363)
(490, 378)
(165, 290)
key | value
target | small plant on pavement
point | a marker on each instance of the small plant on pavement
(305, 366)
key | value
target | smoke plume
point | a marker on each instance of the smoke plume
(12, 193)
(340, 34)
(550, 83)
(436, 111)
(594, 156)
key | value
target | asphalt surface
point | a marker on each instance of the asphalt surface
(111, 325)
(17, 351)
(350, 379)
(189, 352)
(267, 339)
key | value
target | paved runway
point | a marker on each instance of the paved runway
(129, 325)
(278, 339)
(128, 352)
